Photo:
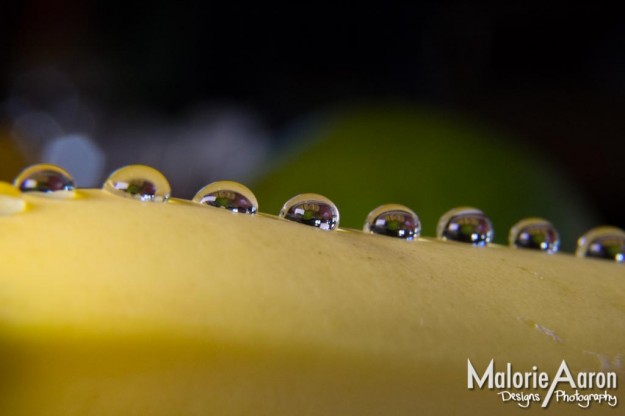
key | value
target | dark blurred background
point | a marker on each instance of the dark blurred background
(216, 90)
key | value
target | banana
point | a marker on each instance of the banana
(113, 306)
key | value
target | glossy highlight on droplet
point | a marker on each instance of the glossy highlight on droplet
(45, 178)
(139, 182)
(11, 201)
(393, 220)
(466, 225)
(603, 243)
(311, 209)
(230, 195)
(535, 234)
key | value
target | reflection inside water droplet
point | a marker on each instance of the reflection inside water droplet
(230, 195)
(603, 243)
(139, 182)
(45, 178)
(311, 209)
(393, 220)
(466, 225)
(536, 234)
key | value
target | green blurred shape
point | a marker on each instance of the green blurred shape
(431, 162)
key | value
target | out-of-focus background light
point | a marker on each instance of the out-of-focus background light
(515, 108)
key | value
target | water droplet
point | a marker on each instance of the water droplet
(139, 182)
(536, 234)
(393, 220)
(311, 209)
(44, 178)
(11, 201)
(466, 225)
(229, 195)
(603, 243)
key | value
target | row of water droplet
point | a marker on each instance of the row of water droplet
(465, 224)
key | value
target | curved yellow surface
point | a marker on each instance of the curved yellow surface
(110, 306)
